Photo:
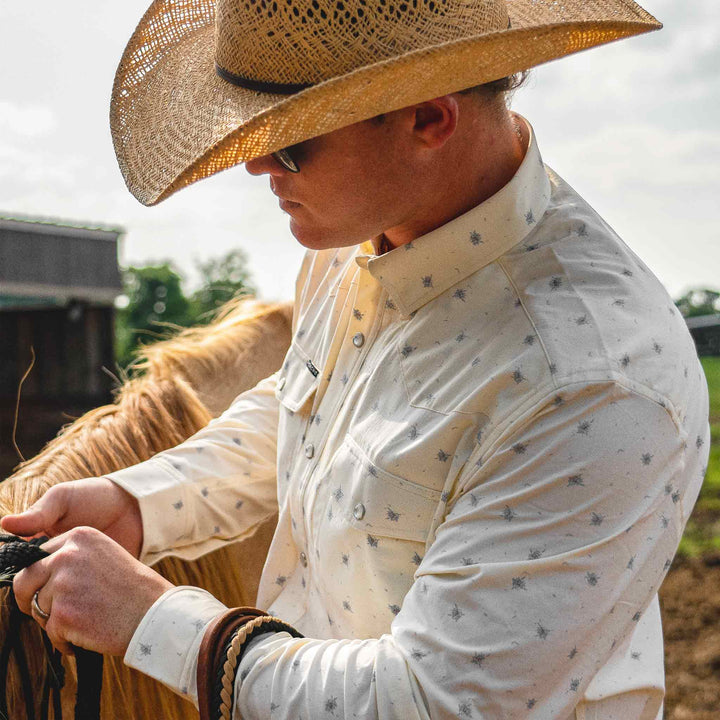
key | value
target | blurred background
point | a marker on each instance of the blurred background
(633, 126)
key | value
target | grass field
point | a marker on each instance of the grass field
(702, 534)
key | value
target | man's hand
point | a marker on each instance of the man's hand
(94, 591)
(93, 502)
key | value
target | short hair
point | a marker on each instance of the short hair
(502, 87)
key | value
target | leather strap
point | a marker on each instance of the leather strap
(275, 88)
(210, 656)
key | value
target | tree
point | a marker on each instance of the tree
(154, 303)
(154, 299)
(222, 279)
(699, 301)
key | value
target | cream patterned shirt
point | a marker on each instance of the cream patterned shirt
(484, 446)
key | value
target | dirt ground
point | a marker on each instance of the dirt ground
(690, 602)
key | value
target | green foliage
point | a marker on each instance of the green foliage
(699, 301)
(155, 300)
(702, 534)
(699, 539)
(711, 366)
(156, 303)
(222, 279)
(711, 486)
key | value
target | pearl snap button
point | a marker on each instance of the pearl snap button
(359, 511)
(281, 383)
(358, 340)
(309, 450)
(303, 559)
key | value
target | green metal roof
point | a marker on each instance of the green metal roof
(60, 223)
(42, 259)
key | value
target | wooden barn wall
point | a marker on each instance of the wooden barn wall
(71, 345)
(707, 339)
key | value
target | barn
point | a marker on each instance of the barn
(58, 284)
(705, 330)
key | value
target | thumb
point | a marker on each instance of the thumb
(39, 517)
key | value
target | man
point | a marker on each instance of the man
(491, 425)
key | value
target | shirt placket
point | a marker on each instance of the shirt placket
(350, 345)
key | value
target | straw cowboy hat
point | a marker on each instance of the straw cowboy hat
(206, 84)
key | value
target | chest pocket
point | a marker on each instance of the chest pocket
(298, 379)
(383, 504)
(371, 532)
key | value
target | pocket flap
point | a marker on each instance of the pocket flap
(298, 379)
(387, 504)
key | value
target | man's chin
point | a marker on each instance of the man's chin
(305, 236)
(315, 238)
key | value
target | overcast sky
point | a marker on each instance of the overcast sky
(633, 126)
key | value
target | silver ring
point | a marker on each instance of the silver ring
(36, 607)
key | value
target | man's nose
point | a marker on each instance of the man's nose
(264, 164)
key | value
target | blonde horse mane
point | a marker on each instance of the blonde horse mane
(151, 413)
(147, 416)
(212, 357)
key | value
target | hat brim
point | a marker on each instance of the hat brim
(174, 121)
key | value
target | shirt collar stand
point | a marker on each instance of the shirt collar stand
(415, 273)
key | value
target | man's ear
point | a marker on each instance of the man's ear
(435, 121)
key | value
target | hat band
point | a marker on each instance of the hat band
(270, 87)
(260, 85)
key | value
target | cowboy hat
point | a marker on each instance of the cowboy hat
(206, 84)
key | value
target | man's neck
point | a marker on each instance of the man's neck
(477, 166)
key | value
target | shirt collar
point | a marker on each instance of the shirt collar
(415, 273)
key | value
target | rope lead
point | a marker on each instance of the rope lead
(16, 555)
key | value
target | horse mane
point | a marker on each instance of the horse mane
(153, 412)
(148, 415)
(207, 355)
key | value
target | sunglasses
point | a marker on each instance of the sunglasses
(285, 159)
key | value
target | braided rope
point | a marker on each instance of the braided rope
(234, 655)
(16, 555)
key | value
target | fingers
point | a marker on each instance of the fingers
(36, 609)
(41, 608)
(33, 592)
(42, 517)
(28, 581)
(61, 646)
(55, 543)
(93, 590)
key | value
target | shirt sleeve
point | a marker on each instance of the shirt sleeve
(166, 643)
(555, 542)
(215, 487)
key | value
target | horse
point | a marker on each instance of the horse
(231, 350)
(181, 383)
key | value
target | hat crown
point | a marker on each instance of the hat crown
(304, 42)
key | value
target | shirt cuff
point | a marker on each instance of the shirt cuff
(155, 486)
(166, 643)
